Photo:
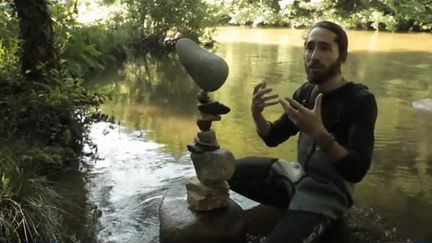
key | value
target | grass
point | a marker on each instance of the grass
(30, 208)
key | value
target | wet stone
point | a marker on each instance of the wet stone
(201, 148)
(198, 202)
(210, 146)
(212, 167)
(205, 198)
(219, 188)
(204, 125)
(195, 185)
(214, 108)
(195, 149)
(179, 224)
(207, 136)
(210, 117)
(203, 97)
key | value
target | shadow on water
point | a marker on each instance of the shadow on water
(78, 220)
(155, 104)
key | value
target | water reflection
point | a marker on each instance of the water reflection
(158, 98)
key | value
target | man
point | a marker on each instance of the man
(335, 119)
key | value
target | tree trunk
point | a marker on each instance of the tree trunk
(37, 38)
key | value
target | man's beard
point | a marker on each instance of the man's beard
(321, 76)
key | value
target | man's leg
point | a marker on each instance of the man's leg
(254, 179)
(299, 227)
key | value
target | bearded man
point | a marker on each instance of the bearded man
(335, 119)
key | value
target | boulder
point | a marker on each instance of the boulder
(179, 224)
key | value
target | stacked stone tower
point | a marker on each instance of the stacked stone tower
(213, 165)
(202, 212)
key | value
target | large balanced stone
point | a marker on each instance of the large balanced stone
(179, 224)
(208, 70)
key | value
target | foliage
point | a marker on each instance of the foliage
(390, 15)
(92, 48)
(87, 49)
(409, 14)
(83, 50)
(55, 114)
(49, 113)
(9, 63)
(250, 14)
(9, 44)
(45, 122)
(159, 20)
(44, 125)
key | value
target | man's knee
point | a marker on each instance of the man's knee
(252, 167)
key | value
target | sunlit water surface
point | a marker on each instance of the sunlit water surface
(155, 104)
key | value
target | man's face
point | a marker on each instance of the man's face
(321, 55)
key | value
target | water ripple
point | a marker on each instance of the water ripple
(128, 184)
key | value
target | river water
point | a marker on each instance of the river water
(154, 106)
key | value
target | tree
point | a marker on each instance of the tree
(38, 52)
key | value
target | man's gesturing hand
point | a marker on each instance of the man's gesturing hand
(308, 121)
(260, 99)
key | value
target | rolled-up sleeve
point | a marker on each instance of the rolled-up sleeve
(354, 166)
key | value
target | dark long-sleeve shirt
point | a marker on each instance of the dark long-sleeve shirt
(349, 114)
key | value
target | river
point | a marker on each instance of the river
(154, 106)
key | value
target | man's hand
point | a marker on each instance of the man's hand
(308, 121)
(261, 100)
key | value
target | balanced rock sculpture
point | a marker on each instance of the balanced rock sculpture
(213, 165)
(205, 213)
